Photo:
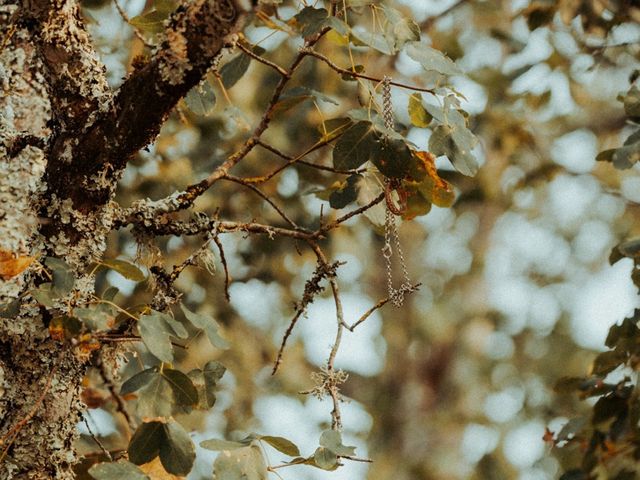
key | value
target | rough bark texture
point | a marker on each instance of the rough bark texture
(64, 140)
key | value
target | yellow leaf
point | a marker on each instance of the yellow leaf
(156, 471)
(10, 266)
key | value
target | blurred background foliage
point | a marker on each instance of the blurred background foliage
(517, 290)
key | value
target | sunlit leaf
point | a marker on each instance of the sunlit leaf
(219, 445)
(11, 266)
(325, 458)
(127, 269)
(244, 463)
(434, 188)
(119, 470)
(417, 113)
(282, 444)
(432, 59)
(332, 439)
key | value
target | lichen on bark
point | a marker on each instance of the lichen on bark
(65, 138)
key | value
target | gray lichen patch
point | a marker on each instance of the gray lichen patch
(24, 110)
(174, 62)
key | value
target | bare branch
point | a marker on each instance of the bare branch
(351, 73)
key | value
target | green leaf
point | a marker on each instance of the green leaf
(631, 102)
(156, 398)
(220, 445)
(44, 295)
(282, 445)
(208, 325)
(417, 113)
(244, 463)
(110, 294)
(400, 29)
(63, 277)
(183, 390)
(333, 128)
(95, 318)
(456, 143)
(201, 99)
(233, 70)
(432, 59)
(126, 269)
(310, 20)
(64, 326)
(119, 470)
(177, 453)
(351, 78)
(155, 333)
(382, 43)
(325, 458)
(354, 147)
(332, 439)
(297, 95)
(346, 193)
(392, 157)
(206, 383)
(10, 310)
(179, 330)
(138, 381)
(145, 444)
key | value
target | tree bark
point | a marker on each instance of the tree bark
(65, 139)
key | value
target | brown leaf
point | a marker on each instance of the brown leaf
(10, 266)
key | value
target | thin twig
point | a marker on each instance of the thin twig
(263, 60)
(260, 193)
(332, 387)
(127, 20)
(330, 226)
(95, 439)
(195, 190)
(223, 260)
(298, 160)
(378, 305)
(121, 405)
(351, 73)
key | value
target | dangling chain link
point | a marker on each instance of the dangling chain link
(390, 228)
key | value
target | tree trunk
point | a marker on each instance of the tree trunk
(65, 139)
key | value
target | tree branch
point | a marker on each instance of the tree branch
(86, 171)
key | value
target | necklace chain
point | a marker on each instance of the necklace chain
(391, 237)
